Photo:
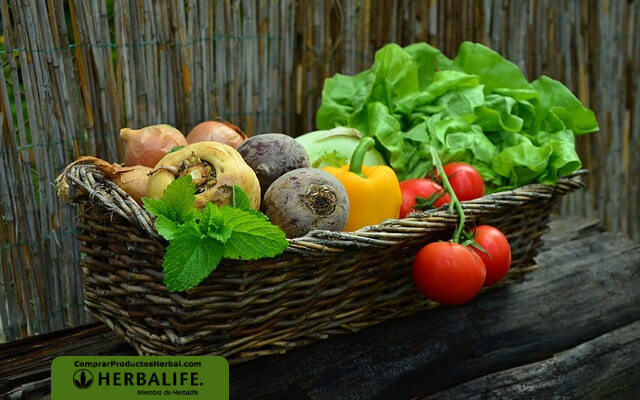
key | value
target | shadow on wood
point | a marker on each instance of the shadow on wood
(583, 289)
(571, 328)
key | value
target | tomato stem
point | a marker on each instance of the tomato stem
(455, 203)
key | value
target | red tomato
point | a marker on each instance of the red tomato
(498, 259)
(466, 181)
(412, 188)
(448, 273)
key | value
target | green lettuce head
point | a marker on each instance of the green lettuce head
(477, 108)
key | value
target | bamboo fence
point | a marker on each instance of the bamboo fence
(75, 72)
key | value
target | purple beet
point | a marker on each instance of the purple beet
(271, 155)
(305, 199)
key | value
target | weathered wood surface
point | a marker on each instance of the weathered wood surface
(577, 315)
(25, 368)
(583, 289)
(603, 368)
(260, 64)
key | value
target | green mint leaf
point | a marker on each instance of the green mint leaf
(221, 235)
(257, 214)
(240, 198)
(175, 148)
(211, 223)
(166, 227)
(177, 201)
(253, 236)
(190, 258)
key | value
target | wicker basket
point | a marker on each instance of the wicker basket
(325, 283)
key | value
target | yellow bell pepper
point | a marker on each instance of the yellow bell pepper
(374, 192)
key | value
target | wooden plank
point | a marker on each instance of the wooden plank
(40, 390)
(566, 228)
(553, 310)
(25, 366)
(602, 368)
(583, 289)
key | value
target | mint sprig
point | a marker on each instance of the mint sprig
(199, 240)
(177, 201)
(240, 198)
(251, 238)
(190, 258)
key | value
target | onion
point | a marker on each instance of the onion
(148, 145)
(132, 180)
(215, 131)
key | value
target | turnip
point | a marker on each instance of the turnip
(305, 199)
(271, 155)
(215, 168)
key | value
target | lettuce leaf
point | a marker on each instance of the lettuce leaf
(477, 108)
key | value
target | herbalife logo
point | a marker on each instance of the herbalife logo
(83, 378)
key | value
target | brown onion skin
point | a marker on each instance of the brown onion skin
(216, 131)
(134, 181)
(148, 145)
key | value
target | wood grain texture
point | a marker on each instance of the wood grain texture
(261, 64)
(582, 290)
(26, 369)
(603, 368)
(541, 338)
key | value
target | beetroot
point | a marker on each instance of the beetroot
(305, 199)
(271, 155)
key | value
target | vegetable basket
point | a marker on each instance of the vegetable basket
(325, 283)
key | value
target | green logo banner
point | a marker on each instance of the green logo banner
(123, 378)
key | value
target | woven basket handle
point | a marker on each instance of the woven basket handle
(80, 183)
(394, 231)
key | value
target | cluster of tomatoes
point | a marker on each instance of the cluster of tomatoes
(449, 272)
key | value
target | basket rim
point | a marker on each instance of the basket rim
(84, 183)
